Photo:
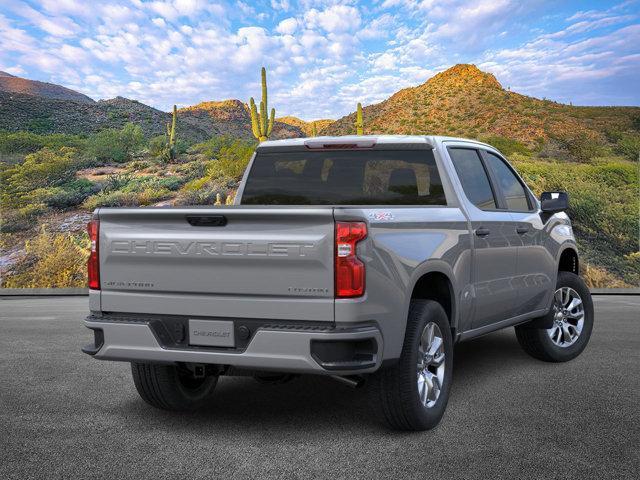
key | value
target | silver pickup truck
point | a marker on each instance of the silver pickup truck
(362, 258)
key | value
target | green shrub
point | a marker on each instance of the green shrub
(191, 170)
(111, 199)
(214, 146)
(171, 183)
(629, 146)
(28, 142)
(205, 195)
(581, 146)
(44, 169)
(116, 145)
(68, 195)
(24, 218)
(157, 145)
(40, 125)
(233, 160)
(51, 261)
(127, 199)
(507, 146)
(116, 182)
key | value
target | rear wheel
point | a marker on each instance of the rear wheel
(413, 394)
(570, 322)
(172, 387)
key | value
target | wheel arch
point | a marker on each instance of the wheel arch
(435, 281)
(568, 260)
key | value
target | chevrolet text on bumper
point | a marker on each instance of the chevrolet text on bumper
(362, 258)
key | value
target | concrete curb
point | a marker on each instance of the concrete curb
(615, 291)
(29, 292)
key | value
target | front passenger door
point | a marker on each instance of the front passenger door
(535, 266)
(494, 254)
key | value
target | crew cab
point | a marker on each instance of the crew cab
(364, 258)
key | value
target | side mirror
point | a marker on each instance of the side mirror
(552, 202)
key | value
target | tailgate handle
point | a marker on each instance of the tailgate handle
(207, 220)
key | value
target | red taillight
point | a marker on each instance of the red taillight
(349, 268)
(93, 264)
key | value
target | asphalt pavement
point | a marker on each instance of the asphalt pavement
(65, 415)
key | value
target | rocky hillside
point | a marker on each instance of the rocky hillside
(464, 101)
(20, 111)
(306, 126)
(47, 108)
(12, 84)
(231, 117)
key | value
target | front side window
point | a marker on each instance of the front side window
(473, 177)
(512, 189)
(357, 177)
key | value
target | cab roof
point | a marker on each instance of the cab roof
(362, 141)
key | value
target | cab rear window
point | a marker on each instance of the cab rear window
(360, 177)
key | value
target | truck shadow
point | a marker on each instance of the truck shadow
(322, 403)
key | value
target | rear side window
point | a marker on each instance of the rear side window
(473, 177)
(511, 187)
(357, 177)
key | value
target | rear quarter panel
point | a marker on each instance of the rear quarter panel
(403, 244)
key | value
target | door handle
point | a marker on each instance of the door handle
(482, 232)
(522, 230)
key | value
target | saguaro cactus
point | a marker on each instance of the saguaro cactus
(171, 135)
(260, 124)
(314, 130)
(359, 125)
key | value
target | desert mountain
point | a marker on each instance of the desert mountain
(461, 101)
(12, 84)
(42, 114)
(47, 108)
(464, 101)
(231, 117)
(304, 126)
(20, 111)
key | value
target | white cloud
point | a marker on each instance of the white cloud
(56, 26)
(73, 55)
(15, 70)
(386, 61)
(287, 26)
(164, 9)
(378, 27)
(159, 22)
(280, 5)
(335, 19)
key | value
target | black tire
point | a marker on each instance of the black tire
(394, 390)
(537, 342)
(172, 387)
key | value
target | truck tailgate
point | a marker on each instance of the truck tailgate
(264, 263)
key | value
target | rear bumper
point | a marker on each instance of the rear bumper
(296, 348)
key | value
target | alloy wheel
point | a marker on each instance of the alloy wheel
(568, 317)
(431, 365)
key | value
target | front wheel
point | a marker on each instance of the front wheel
(413, 394)
(571, 320)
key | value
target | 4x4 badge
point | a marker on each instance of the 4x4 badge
(381, 216)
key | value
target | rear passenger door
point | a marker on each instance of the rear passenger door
(535, 266)
(494, 263)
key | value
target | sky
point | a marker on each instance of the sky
(322, 56)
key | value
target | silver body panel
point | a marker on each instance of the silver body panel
(276, 263)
